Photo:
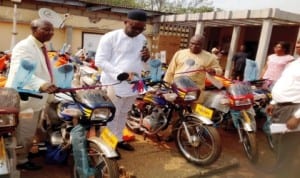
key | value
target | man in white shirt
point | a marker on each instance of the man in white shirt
(122, 51)
(285, 108)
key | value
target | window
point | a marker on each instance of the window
(90, 41)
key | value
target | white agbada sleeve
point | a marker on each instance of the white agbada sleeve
(103, 56)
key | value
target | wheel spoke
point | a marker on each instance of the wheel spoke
(204, 148)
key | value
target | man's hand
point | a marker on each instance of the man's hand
(292, 123)
(145, 54)
(123, 76)
(48, 88)
(269, 109)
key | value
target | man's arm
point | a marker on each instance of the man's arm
(293, 123)
(215, 65)
(104, 55)
(169, 75)
(23, 53)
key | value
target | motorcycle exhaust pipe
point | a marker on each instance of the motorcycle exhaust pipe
(135, 119)
(133, 125)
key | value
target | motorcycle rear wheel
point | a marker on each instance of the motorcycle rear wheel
(206, 145)
(250, 145)
(105, 167)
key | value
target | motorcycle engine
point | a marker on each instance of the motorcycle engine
(155, 120)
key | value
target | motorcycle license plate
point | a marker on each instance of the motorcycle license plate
(109, 137)
(203, 111)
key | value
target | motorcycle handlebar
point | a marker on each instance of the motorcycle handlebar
(148, 82)
(121, 77)
(65, 90)
(25, 94)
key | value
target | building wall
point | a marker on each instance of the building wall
(284, 33)
(23, 30)
(78, 24)
(249, 35)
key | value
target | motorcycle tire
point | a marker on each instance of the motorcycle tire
(105, 167)
(250, 145)
(270, 140)
(205, 148)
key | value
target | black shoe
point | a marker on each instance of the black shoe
(119, 155)
(125, 146)
(29, 166)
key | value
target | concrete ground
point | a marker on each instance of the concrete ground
(153, 159)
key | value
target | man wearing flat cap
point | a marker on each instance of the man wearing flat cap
(122, 51)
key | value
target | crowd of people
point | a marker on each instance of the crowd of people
(121, 55)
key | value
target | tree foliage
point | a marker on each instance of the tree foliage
(122, 3)
(170, 6)
(177, 6)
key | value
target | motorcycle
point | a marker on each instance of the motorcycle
(233, 105)
(195, 137)
(9, 118)
(75, 122)
(79, 122)
(262, 97)
(9, 111)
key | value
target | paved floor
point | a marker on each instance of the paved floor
(162, 160)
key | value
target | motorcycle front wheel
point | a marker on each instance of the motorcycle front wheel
(270, 140)
(250, 146)
(205, 145)
(105, 167)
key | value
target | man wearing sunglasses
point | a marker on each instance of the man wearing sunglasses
(122, 51)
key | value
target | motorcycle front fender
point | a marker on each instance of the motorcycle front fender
(108, 151)
(205, 120)
(249, 122)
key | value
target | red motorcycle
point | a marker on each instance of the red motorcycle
(196, 138)
(234, 104)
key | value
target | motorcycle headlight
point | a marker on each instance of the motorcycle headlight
(242, 102)
(101, 114)
(191, 96)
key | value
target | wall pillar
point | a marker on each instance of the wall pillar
(263, 44)
(298, 37)
(199, 28)
(69, 38)
(232, 49)
(155, 28)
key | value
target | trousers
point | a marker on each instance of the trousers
(288, 144)
(25, 132)
(123, 106)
